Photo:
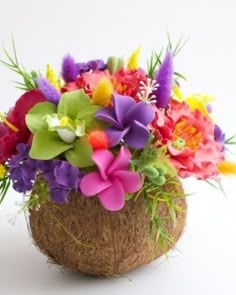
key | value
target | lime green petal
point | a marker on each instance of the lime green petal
(71, 103)
(81, 155)
(47, 145)
(34, 118)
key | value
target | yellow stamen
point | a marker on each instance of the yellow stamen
(189, 134)
(64, 121)
(227, 168)
(8, 124)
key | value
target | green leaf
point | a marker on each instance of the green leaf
(81, 155)
(47, 145)
(71, 103)
(34, 118)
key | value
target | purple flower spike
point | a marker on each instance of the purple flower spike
(113, 179)
(128, 121)
(48, 90)
(69, 69)
(164, 77)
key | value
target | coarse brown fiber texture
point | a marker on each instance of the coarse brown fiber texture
(83, 236)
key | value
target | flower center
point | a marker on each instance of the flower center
(186, 135)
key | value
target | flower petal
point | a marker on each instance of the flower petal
(130, 180)
(141, 112)
(122, 104)
(92, 184)
(138, 135)
(115, 135)
(108, 115)
(121, 162)
(103, 159)
(113, 198)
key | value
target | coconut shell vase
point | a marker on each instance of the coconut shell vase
(100, 151)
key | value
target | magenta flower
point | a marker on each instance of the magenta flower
(113, 179)
(128, 121)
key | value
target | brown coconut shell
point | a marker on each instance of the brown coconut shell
(83, 236)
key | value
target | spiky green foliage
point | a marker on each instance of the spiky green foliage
(12, 64)
(156, 57)
(5, 183)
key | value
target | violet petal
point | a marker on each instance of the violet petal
(121, 105)
(141, 112)
(108, 115)
(115, 136)
(138, 136)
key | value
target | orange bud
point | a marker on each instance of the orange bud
(98, 139)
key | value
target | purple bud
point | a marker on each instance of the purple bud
(48, 90)
(69, 69)
(164, 77)
(219, 135)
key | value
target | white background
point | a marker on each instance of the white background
(46, 30)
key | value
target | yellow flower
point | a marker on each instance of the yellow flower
(2, 171)
(102, 93)
(52, 77)
(133, 61)
(177, 93)
(227, 168)
(199, 102)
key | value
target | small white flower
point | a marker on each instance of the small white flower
(146, 91)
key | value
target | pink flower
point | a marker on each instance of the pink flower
(113, 179)
(127, 82)
(189, 136)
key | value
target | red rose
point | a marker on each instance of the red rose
(9, 138)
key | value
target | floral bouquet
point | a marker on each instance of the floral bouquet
(98, 151)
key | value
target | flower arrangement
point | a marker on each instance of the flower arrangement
(109, 130)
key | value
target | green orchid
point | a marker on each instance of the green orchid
(63, 129)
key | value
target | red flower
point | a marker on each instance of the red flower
(16, 117)
(127, 82)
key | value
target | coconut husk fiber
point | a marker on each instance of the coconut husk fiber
(84, 237)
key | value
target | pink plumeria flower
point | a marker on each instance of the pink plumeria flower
(113, 179)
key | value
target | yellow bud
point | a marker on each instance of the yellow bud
(133, 61)
(227, 168)
(177, 94)
(102, 93)
(2, 171)
(52, 77)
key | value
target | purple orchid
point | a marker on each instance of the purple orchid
(128, 121)
(164, 78)
(113, 179)
(48, 90)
